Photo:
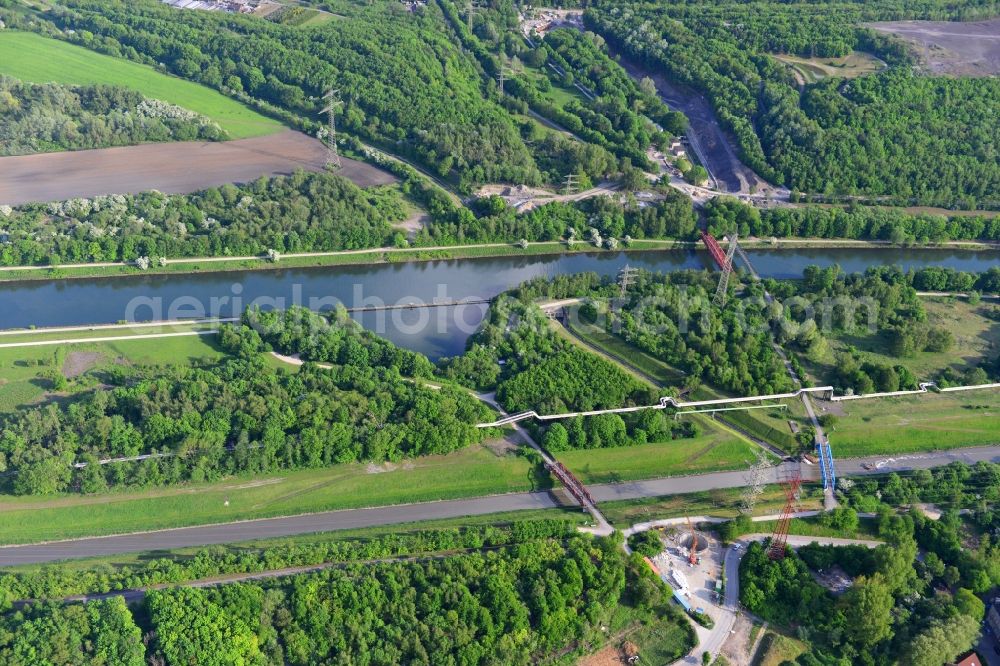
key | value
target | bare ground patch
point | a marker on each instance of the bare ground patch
(609, 656)
(502, 447)
(79, 362)
(174, 168)
(947, 47)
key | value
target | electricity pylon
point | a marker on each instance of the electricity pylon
(332, 156)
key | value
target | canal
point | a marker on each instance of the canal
(436, 332)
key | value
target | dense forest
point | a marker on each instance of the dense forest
(507, 606)
(243, 415)
(404, 84)
(37, 118)
(55, 582)
(673, 318)
(519, 595)
(298, 213)
(569, 79)
(100, 633)
(898, 134)
(900, 608)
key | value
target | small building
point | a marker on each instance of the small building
(970, 659)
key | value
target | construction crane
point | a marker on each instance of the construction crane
(693, 555)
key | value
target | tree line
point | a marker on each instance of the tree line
(46, 117)
(725, 215)
(304, 212)
(594, 221)
(311, 212)
(55, 582)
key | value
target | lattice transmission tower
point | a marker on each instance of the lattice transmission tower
(571, 183)
(756, 478)
(332, 155)
(626, 278)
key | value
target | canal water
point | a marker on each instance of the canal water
(436, 332)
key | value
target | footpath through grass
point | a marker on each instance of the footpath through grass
(472, 472)
(36, 59)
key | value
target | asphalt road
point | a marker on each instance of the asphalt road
(270, 528)
(391, 515)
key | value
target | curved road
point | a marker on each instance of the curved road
(204, 535)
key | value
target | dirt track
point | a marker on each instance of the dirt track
(168, 167)
(946, 47)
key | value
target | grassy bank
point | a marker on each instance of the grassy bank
(377, 256)
(927, 422)
(365, 533)
(472, 472)
(712, 452)
(36, 59)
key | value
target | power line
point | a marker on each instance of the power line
(571, 183)
(332, 155)
(626, 278)
(755, 483)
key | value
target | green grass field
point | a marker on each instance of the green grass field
(932, 421)
(661, 642)
(38, 59)
(22, 369)
(976, 337)
(472, 472)
(707, 453)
